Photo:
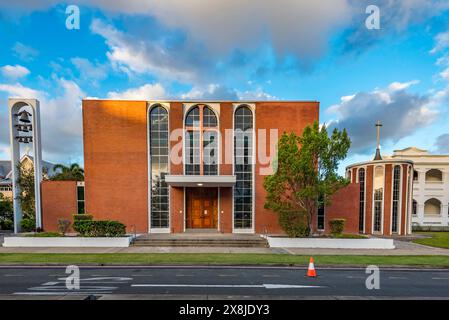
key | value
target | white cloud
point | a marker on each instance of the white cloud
(441, 42)
(90, 71)
(61, 120)
(401, 113)
(396, 86)
(24, 52)
(145, 92)
(257, 94)
(445, 74)
(19, 91)
(14, 72)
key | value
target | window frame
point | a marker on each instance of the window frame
(251, 108)
(202, 129)
(155, 229)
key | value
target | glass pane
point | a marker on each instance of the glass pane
(159, 153)
(243, 168)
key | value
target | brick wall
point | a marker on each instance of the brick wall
(115, 161)
(59, 201)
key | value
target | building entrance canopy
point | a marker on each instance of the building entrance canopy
(200, 180)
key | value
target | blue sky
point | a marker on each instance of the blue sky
(249, 50)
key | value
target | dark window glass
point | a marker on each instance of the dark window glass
(193, 117)
(321, 214)
(243, 168)
(396, 188)
(159, 167)
(201, 142)
(209, 118)
(414, 207)
(362, 200)
(378, 197)
(80, 199)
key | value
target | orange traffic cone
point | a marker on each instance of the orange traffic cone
(311, 270)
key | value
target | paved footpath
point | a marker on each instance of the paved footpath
(226, 282)
(402, 248)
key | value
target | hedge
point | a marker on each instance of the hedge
(107, 228)
(82, 216)
(337, 226)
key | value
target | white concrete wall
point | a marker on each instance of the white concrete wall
(80, 242)
(424, 190)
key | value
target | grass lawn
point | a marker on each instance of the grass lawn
(439, 239)
(216, 259)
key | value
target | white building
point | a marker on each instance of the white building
(430, 187)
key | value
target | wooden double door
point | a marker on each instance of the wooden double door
(202, 208)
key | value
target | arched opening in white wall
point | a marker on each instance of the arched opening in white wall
(432, 207)
(415, 175)
(434, 175)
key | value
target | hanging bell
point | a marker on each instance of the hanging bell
(24, 116)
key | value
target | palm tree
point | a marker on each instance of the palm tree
(73, 172)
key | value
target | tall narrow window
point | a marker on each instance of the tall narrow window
(159, 167)
(378, 197)
(321, 214)
(414, 207)
(81, 207)
(201, 143)
(362, 200)
(243, 168)
(396, 188)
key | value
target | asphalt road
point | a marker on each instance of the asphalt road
(220, 282)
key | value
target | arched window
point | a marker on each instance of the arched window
(201, 141)
(432, 207)
(243, 168)
(378, 198)
(362, 200)
(396, 189)
(434, 175)
(414, 207)
(159, 167)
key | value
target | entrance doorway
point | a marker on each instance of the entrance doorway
(202, 208)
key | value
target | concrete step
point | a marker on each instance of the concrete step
(261, 243)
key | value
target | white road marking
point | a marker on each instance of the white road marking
(397, 278)
(74, 293)
(266, 286)
(64, 288)
(227, 275)
(440, 278)
(98, 279)
(184, 275)
(270, 275)
(51, 283)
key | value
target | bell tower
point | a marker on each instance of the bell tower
(25, 128)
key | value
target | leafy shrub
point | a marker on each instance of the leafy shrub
(28, 224)
(107, 228)
(6, 225)
(294, 223)
(64, 226)
(44, 235)
(83, 216)
(337, 226)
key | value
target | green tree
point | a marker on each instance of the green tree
(6, 212)
(72, 172)
(306, 173)
(26, 197)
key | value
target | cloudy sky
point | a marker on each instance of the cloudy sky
(234, 49)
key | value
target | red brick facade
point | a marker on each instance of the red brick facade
(59, 201)
(403, 198)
